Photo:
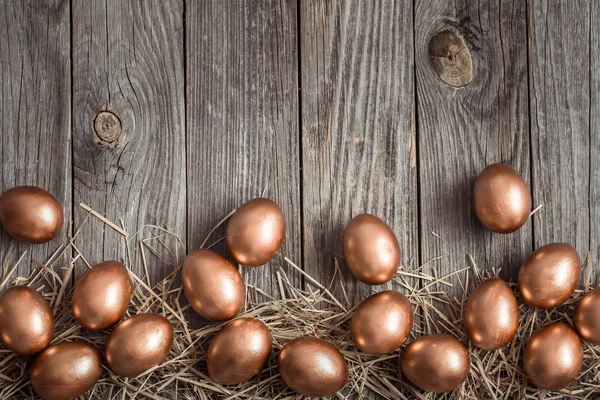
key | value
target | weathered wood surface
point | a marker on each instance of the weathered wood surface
(173, 113)
(594, 149)
(313, 104)
(358, 129)
(565, 147)
(35, 112)
(242, 114)
(461, 130)
(128, 60)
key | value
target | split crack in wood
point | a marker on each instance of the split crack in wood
(451, 59)
(108, 131)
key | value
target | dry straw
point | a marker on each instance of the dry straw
(295, 312)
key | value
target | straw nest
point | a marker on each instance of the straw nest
(314, 311)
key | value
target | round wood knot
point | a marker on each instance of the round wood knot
(451, 59)
(108, 132)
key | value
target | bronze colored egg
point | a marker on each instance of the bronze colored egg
(66, 370)
(382, 322)
(30, 214)
(212, 285)
(371, 249)
(436, 363)
(502, 199)
(239, 351)
(550, 275)
(26, 321)
(553, 357)
(587, 316)
(492, 314)
(312, 367)
(101, 296)
(138, 344)
(255, 232)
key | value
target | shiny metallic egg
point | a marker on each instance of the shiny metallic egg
(255, 232)
(138, 344)
(66, 370)
(102, 295)
(553, 357)
(212, 285)
(26, 321)
(587, 316)
(239, 351)
(382, 322)
(502, 198)
(371, 250)
(492, 314)
(550, 275)
(435, 363)
(312, 367)
(30, 214)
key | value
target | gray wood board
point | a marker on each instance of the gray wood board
(594, 149)
(462, 130)
(564, 123)
(358, 129)
(128, 60)
(35, 113)
(242, 118)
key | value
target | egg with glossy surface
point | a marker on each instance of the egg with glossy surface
(101, 296)
(371, 250)
(138, 344)
(587, 316)
(30, 214)
(382, 322)
(255, 232)
(550, 275)
(502, 198)
(435, 363)
(492, 314)
(239, 351)
(212, 285)
(66, 370)
(26, 321)
(553, 357)
(312, 367)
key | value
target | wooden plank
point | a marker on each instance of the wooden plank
(242, 113)
(35, 111)
(129, 122)
(464, 129)
(358, 128)
(594, 145)
(564, 123)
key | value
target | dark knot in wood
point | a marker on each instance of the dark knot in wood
(108, 132)
(451, 59)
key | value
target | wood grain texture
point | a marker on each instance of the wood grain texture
(594, 149)
(358, 129)
(128, 60)
(242, 115)
(35, 112)
(564, 123)
(463, 130)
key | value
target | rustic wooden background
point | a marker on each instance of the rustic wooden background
(175, 112)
